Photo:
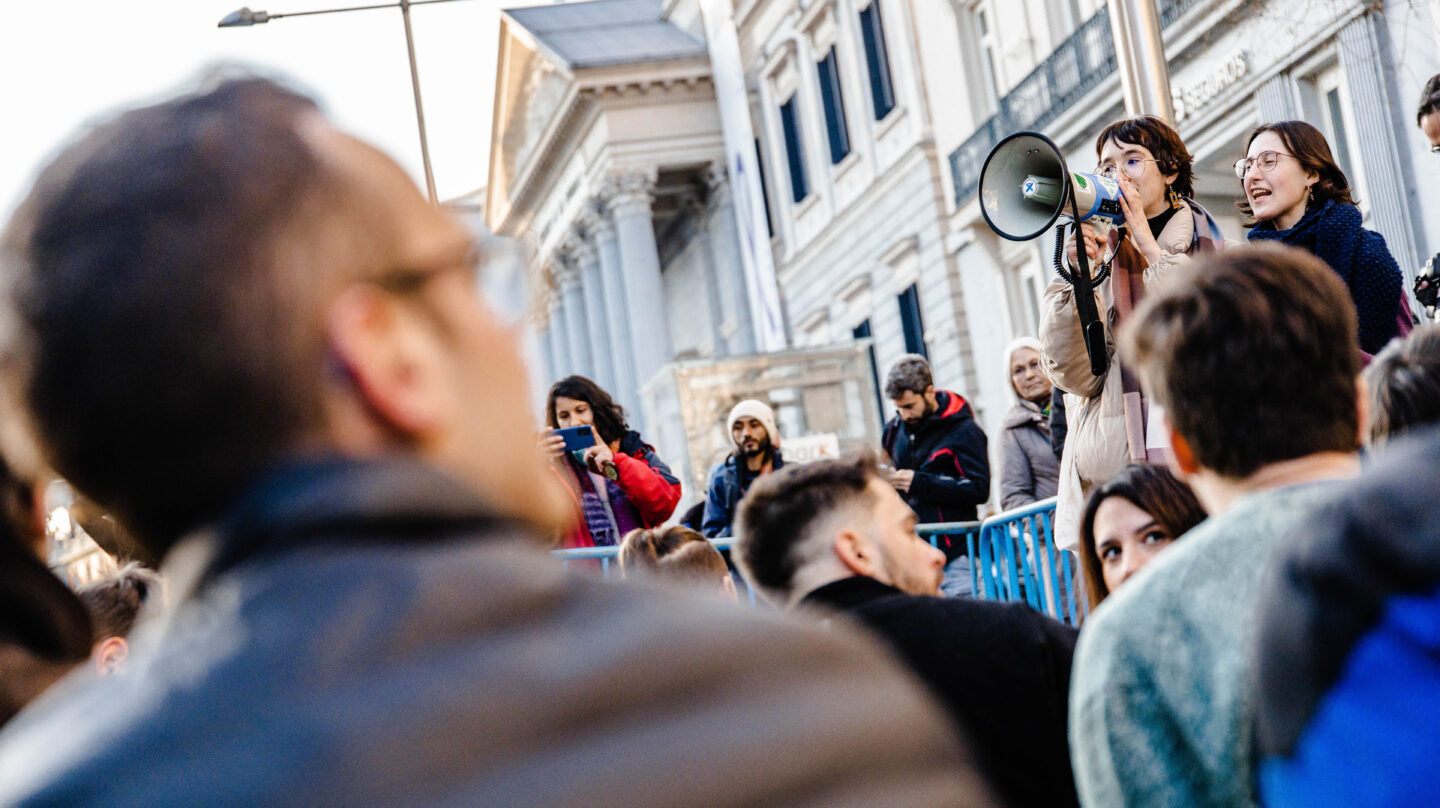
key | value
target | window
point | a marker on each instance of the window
(989, 63)
(877, 57)
(1336, 121)
(834, 104)
(862, 331)
(911, 322)
(794, 150)
(764, 190)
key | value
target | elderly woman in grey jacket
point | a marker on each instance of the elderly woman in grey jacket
(1029, 470)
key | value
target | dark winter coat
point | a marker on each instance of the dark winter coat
(1001, 670)
(1029, 470)
(1332, 232)
(367, 633)
(729, 480)
(948, 454)
(1348, 697)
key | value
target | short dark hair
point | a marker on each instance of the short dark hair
(145, 288)
(1152, 489)
(778, 512)
(1403, 383)
(1171, 156)
(675, 553)
(609, 416)
(910, 372)
(1307, 145)
(1429, 99)
(1252, 352)
(115, 600)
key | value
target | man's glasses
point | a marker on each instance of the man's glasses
(497, 269)
(1134, 168)
(1266, 160)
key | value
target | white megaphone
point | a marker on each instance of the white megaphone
(1024, 189)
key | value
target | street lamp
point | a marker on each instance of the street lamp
(244, 18)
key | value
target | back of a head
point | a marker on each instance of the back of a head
(910, 372)
(674, 554)
(1253, 354)
(115, 600)
(1403, 384)
(779, 515)
(146, 278)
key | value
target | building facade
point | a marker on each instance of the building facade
(1353, 68)
(871, 121)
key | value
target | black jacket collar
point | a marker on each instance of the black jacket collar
(850, 593)
(389, 500)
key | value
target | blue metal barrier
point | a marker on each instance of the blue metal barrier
(1013, 558)
(1018, 560)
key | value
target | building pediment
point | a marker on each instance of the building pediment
(550, 57)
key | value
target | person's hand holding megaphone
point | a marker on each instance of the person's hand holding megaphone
(1095, 246)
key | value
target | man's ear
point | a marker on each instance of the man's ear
(1184, 457)
(110, 654)
(384, 353)
(855, 553)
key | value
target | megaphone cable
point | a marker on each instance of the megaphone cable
(1100, 275)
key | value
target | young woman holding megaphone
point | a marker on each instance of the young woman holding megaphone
(1109, 419)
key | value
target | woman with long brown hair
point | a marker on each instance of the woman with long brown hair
(1127, 521)
(619, 483)
(1296, 194)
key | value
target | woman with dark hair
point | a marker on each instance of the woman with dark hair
(619, 483)
(1127, 521)
(1296, 194)
(1164, 226)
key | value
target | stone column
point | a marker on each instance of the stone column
(1380, 148)
(617, 313)
(558, 344)
(725, 256)
(1276, 99)
(602, 351)
(577, 335)
(629, 203)
(547, 372)
(699, 215)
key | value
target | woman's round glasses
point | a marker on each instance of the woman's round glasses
(1267, 160)
(1134, 168)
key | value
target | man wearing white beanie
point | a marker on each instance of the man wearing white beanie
(757, 452)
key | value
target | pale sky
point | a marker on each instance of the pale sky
(66, 62)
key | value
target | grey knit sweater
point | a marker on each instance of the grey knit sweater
(1160, 697)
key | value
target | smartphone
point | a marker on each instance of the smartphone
(577, 438)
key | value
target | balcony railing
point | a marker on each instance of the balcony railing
(1081, 62)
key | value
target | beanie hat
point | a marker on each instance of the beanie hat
(1020, 342)
(760, 411)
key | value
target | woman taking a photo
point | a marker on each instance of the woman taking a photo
(1164, 226)
(1128, 521)
(619, 484)
(1296, 194)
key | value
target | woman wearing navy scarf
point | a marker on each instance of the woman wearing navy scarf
(1297, 195)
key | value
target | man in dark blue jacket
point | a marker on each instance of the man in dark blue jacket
(938, 451)
(757, 452)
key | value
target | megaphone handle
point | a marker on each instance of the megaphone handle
(1091, 329)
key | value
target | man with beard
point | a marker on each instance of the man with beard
(938, 451)
(757, 452)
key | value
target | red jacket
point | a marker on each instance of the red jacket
(643, 478)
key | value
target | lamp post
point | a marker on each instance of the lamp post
(244, 18)
(1140, 54)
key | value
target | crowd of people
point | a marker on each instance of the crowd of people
(248, 339)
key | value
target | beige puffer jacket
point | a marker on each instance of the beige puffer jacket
(1095, 447)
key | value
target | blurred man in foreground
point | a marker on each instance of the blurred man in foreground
(247, 335)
